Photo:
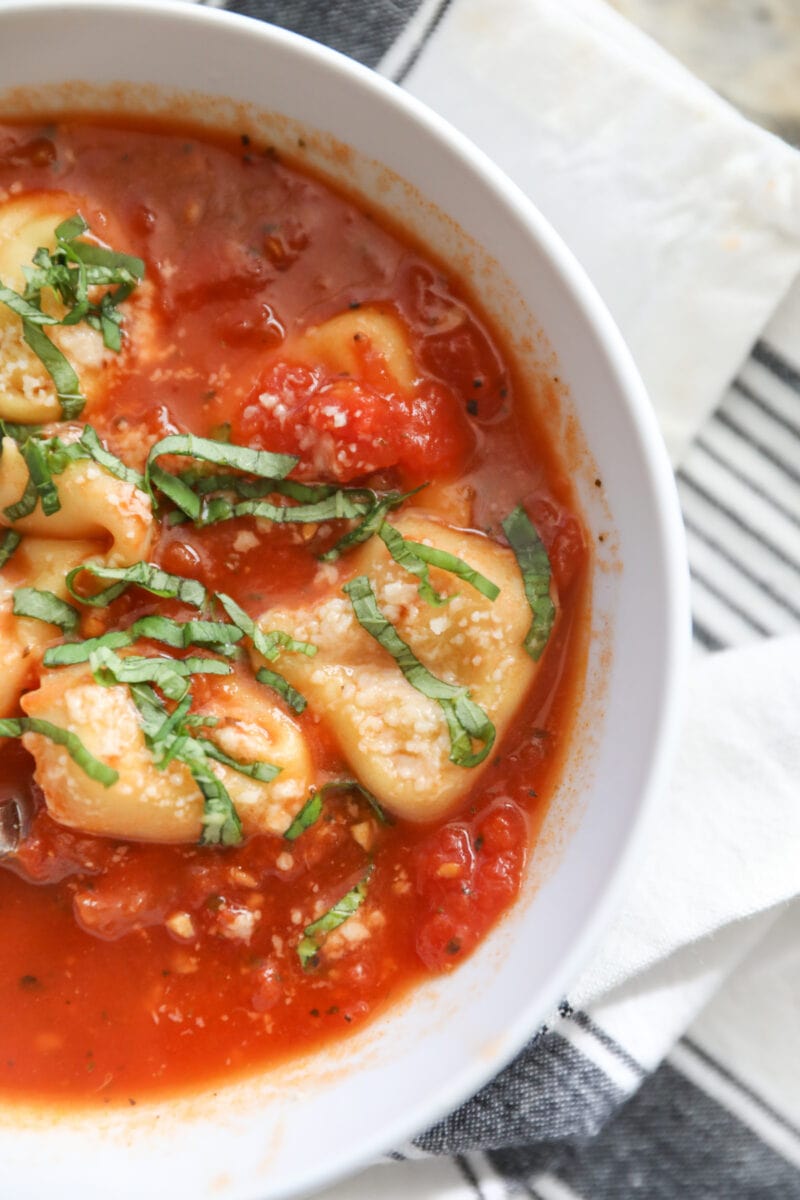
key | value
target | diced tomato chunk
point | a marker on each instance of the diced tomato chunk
(467, 873)
(344, 428)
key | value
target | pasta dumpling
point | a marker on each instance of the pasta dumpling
(342, 344)
(94, 504)
(41, 563)
(27, 393)
(148, 804)
(394, 737)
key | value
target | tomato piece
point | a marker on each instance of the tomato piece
(467, 873)
(344, 428)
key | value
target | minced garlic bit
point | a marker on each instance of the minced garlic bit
(181, 925)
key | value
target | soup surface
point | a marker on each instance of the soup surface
(291, 613)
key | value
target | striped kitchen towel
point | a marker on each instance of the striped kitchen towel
(673, 1067)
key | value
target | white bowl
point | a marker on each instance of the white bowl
(301, 1126)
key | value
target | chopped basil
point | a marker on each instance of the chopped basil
(264, 772)
(45, 606)
(39, 471)
(8, 544)
(69, 271)
(91, 766)
(308, 814)
(168, 674)
(282, 686)
(25, 505)
(312, 809)
(313, 935)
(221, 824)
(267, 644)
(338, 506)
(372, 521)
(70, 653)
(58, 367)
(416, 557)
(216, 635)
(352, 785)
(24, 308)
(90, 441)
(168, 738)
(535, 567)
(223, 454)
(466, 721)
(142, 574)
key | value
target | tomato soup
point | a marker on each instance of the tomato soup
(292, 613)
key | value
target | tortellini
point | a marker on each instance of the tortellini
(27, 393)
(94, 504)
(148, 804)
(395, 738)
(41, 563)
(341, 343)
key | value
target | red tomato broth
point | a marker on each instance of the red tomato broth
(108, 1005)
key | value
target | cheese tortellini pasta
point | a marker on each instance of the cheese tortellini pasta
(395, 738)
(149, 804)
(41, 563)
(341, 343)
(27, 392)
(94, 504)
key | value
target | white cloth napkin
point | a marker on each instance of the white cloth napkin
(724, 857)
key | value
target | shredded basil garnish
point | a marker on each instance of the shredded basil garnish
(535, 568)
(39, 472)
(91, 766)
(313, 935)
(216, 635)
(70, 653)
(69, 271)
(264, 772)
(267, 644)
(59, 368)
(374, 515)
(262, 463)
(8, 544)
(45, 606)
(168, 674)
(306, 817)
(221, 824)
(312, 809)
(466, 720)
(416, 557)
(26, 503)
(144, 575)
(338, 506)
(91, 443)
(282, 686)
(167, 737)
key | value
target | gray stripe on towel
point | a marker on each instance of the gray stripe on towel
(671, 1141)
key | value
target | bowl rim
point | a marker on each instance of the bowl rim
(668, 527)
